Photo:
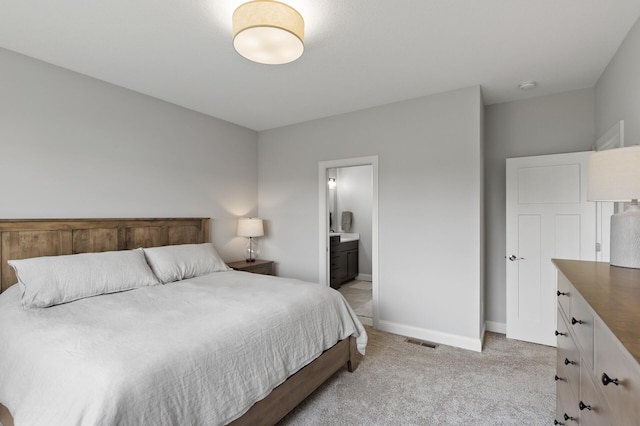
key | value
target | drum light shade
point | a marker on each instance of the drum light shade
(614, 175)
(250, 227)
(268, 32)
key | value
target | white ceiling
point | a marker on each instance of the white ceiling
(359, 53)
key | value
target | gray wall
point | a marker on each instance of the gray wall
(546, 125)
(618, 90)
(430, 196)
(354, 193)
(73, 146)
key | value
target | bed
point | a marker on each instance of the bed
(173, 353)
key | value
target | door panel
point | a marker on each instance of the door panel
(529, 229)
(549, 184)
(567, 235)
(547, 217)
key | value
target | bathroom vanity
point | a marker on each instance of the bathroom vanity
(343, 251)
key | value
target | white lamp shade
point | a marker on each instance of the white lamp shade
(250, 227)
(268, 32)
(614, 175)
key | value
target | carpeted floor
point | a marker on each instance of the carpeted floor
(399, 383)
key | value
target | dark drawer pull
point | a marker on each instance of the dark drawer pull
(575, 321)
(559, 293)
(567, 417)
(567, 362)
(606, 380)
(560, 334)
(559, 378)
(582, 406)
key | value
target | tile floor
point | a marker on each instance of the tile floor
(358, 294)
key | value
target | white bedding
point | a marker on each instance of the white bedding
(196, 352)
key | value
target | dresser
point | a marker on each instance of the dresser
(598, 335)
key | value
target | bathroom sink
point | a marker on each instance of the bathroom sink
(345, 237)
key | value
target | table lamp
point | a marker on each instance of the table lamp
(251, 228)
(614, 175)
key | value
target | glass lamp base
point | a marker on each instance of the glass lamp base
(251, 251)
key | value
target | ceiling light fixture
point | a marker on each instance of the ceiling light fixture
(268, 32)
(527, 85)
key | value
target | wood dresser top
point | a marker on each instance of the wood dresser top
(614, 295)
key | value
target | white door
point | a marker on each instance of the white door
(548, 216)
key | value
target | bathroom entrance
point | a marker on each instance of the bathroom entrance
(349, 232)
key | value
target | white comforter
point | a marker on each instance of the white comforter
(194, 352)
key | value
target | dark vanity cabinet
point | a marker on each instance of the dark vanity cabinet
(344, 260)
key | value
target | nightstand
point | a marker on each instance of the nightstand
(265, 267)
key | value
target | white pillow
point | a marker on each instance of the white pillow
(179, 262)
(51, 280)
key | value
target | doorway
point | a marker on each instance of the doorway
(345, 198)
(350, 237)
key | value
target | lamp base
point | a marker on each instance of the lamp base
(251, 250)
(625, 238)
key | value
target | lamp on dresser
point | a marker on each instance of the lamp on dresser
(251, 228)
(614, 175)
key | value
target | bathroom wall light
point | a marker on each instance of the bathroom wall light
(268, 32)
(332, 183)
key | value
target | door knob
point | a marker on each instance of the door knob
(513, 258)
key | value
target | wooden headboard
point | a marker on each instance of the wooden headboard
(24, 238)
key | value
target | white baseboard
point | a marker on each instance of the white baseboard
(364, 277)
(431, 335)
(496, 327)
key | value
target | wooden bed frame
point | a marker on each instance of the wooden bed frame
(24, 238)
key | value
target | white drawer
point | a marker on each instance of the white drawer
(567, 412)
(612, 359)
(565, 290)
(568, 368)
(593, 411)
(581, 322)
